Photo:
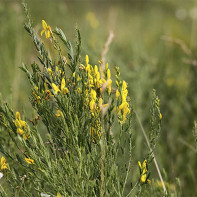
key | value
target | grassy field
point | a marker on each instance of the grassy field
(155, 46)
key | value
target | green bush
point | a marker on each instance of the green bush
(69, 147)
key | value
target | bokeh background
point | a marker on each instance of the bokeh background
(155, 46)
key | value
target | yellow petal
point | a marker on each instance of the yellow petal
(44, 24)
(87, 60)
(65, 91)
(144, 164)
(160, 116)
(139, 163)
(78, 78)
(124, 85)
(20, 131)
(18, 116)
(17, 123)
(42, 32)
(63, 83)
(3, 160)
(92, 104)
(95, 70)
(58, 113)
(100, 102)
(117, 94)
(24, 137)
(29, 161)
(107, 66)
(58, 194)
(47, 33)
(143, 178)
(108, 74)
(56, 89)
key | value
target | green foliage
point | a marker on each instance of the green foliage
(146, 58)
(75, 152)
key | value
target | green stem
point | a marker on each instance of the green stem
(153, 155)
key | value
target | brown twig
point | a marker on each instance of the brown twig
(179, 42)
(105, 50)
(102, 160)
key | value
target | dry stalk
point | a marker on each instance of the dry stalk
(105, 50)
(179, 42)
(102, 160)
(153, 155)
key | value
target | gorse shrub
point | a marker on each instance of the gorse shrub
(76, 152)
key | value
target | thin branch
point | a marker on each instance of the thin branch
(179, 42)
(102, 160)
(154, 159)
(105, 50)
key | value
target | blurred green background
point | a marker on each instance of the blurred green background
(155, 46)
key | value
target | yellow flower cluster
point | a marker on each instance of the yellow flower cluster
(3, 164)
(46, 94)
(95, 78)
(58, 72)
(62, 89)
(93, 98)
(21, 126)
(143, 172)
(123, 109)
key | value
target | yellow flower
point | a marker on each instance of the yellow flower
(160, 116)
(20, 131)
(92, 105)
(109, 81)
(46, 29)
(58, 113)
(25, 137)
(21, 125)
(58, 194)
(79, 90)
(109, 85)
(55, 88)
(87, 60)
(50, 71)
(107, 65)
(18, 116)
(117, 94)
(124, 85)
(100, 102)
(63, 84)
(93, 94)
(63, 88)
(29, 161)
(95, 70)
(108, 74)
(78, 78)
(17, 123)
(3, 164)
(144, 172)
(36, 88)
